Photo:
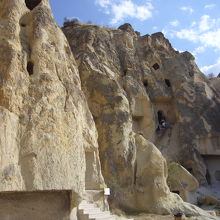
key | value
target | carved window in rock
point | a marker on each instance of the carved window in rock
(191, 74)
(156, 66)
(145, 83)
(167, 82)
(30, 68)
(176, 191)
(208, 177)
(31, 4)
(160, 116)
(125, 72)
(190, 170)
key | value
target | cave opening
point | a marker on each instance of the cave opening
(156, 66)
(125, 72)
(167, 81)
(176, 191)
(30, 68)
(191, 74)
(190, 170)
(208, 177)
(145, 83)
(31, 4)
(160, 116)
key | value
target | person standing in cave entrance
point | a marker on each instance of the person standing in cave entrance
(163, 124)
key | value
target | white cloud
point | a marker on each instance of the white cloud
(211, 38)
(122, 9)
(189, 34)
(103, 3)
(187, 9)
(174, 23)
(204, 32)
(199, 50)
(210, 6)
(193, 24)
(206, 23)
(215, 68)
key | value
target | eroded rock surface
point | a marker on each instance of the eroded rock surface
(46, 126)
(132, 82)
(49, 138)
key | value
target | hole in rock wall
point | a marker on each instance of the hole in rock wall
(189, 169)
(125, 72)
(31, 4)
(176, 191)
(167, 81)
(145, 83)
(160, 116)
(208, 177)
(191, 74)
(212, 163)
(30, 68)
(156, 66)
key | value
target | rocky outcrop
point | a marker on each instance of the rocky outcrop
(181, 181)
(132, 83)
(46, 126)
(49, 139)
(154, 82)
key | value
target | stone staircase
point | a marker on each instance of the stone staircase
(88, 211)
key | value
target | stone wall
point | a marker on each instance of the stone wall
(42, 205)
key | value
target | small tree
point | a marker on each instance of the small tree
(70, 22)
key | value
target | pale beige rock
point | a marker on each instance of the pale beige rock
(49, 139)
(181, 181)
(127, 79)
(46, 126)
(10, 177)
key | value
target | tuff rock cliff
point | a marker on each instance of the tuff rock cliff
(46, 125)
(63, 109)
(131, 83)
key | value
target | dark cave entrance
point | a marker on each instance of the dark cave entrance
(208, 177)
(176, 191)
(30, 68)
(167, 81)
(156, 66)
(31, 4)
(145, 83)
(160, 116)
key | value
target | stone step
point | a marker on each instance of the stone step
(92, 211)
(99, 215)
(88, 211)
(99, 211)
(102, 218)
(86, 206)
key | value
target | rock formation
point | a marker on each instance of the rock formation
(132, 83)
(47, 130)
(51, 139)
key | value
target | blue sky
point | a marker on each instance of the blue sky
(192, 25)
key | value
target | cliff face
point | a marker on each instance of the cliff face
(46, 126)
(132, 83)
(51, 139)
